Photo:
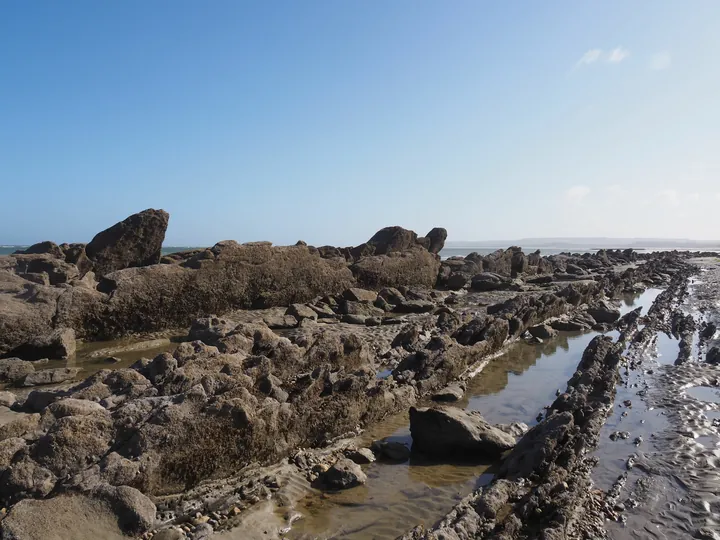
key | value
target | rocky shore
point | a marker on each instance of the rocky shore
(288, 352)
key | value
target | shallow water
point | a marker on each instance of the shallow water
(92, 356)
(514, 387)
(708, 394)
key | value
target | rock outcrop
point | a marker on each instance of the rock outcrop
(135, 241)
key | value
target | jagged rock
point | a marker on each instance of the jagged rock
(135, 241)
(450, 431)
(437, 237)
(344, 474)
(575, 270)
(604, 312)
(59, 344)
(542, 331)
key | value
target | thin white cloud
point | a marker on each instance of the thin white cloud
(617, 55)
(590, 57)
(717, 196)
(660, 61)
(576, 194)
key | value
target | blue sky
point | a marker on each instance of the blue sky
(325, 121)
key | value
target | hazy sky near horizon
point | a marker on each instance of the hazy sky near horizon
(326, 120)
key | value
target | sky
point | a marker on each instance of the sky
(326, 120)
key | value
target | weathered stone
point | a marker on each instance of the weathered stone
(437, 237)
(50, 376)
(488, 281)
(416, 267)
(344, 474)
(59, 344)
(7, 399)
(361, 456)
(392, 239)
(451, 431)
(390, 450)
(354, 294)
(542, 331)
(452, 392)
(604, 312)
(135, 241)
(301, 312)
(14, 369)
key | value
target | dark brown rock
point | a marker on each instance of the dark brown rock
(135, 241)
(392, 239)
(437, 237)
(452, 431)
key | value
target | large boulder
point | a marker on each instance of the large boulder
(135, 241)
(446, 431)
(437, 237)
(58, 344)
(392, 239)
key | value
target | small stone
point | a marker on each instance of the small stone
(112, 360)
(361, 456)
(344, 474)
(7, 399)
